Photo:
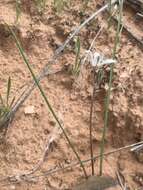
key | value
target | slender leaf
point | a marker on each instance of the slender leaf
(18, 10)
(8, 90)
(76, 67)
(1, 100)
(107, 101)
(22, 53)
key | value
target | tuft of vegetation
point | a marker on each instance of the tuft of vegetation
(5, 104)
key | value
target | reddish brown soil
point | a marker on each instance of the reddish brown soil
(28, 133)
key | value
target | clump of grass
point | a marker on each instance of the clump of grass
(5, 104)
(76, 66)
(107, 100)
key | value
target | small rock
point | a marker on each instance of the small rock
(98, 183)
(29, 110)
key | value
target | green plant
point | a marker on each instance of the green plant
(18, 10)
(107, 100)
(25, 59)
(76, 66)
(5, 104)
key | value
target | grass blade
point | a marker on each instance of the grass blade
(90, 123)
(76, 67)
(8, 90)
(22, 53)
(1, 100)
(18, 10)
(107, 101)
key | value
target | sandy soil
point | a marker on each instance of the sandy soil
(28, 134)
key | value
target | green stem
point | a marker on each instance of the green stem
(90, 123)
(107, 102)
(46, 99)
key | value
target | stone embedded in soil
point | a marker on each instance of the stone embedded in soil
(98, 183)
(29, 110)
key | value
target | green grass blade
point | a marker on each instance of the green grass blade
(77, 46)
(8, 90)
(76, 67)
(107, 101)
(77, 50)
(1, 100)
(18, 10)
(22, 53)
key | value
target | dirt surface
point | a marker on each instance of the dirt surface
(40, 35)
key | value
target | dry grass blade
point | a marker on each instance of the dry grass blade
(121, 180)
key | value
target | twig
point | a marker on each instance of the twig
(137, 148)
(139, 15)
(121, 182)
(55, 169)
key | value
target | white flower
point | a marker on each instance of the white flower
(97, 59)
